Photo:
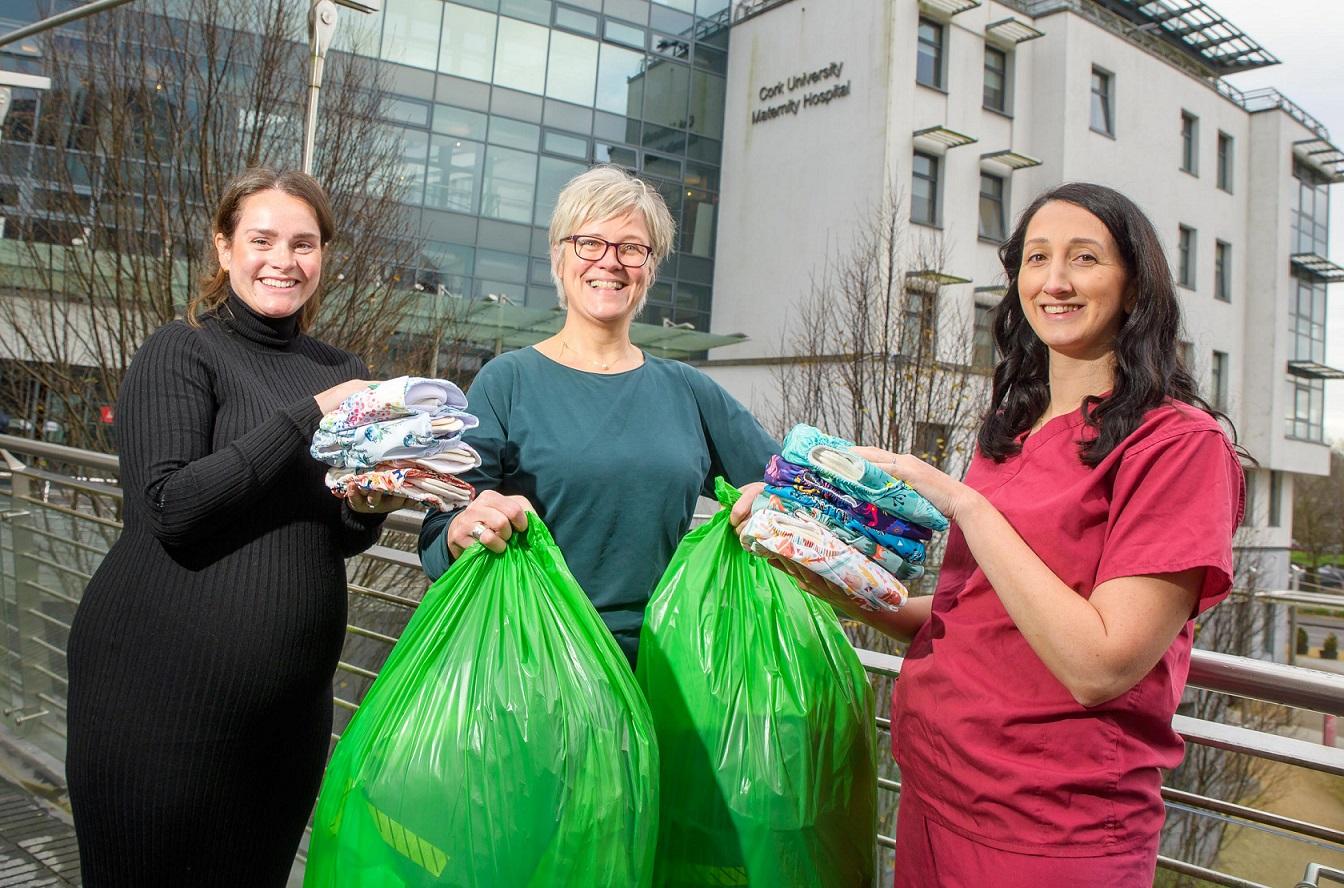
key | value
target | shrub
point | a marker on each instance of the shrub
(1330, 649)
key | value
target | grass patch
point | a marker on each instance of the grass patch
(1303, 559)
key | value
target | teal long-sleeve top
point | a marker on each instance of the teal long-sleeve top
(613, 463)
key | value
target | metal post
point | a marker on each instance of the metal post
(1292, 635)
(321, 30)
(24, 709)
(499, 299)
(56, 21)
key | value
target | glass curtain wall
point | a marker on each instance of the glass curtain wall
(500, 102)
(1306, 397)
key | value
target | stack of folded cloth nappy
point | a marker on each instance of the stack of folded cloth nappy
(841, 517)
(401, 437)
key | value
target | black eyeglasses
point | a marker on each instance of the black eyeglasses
(631, 255)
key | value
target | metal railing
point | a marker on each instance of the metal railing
(1267, 98)
(62, 510)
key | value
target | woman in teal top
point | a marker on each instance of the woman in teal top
(610, 446)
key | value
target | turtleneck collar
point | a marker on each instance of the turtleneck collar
(277, 333)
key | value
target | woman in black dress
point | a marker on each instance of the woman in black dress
(202, 654)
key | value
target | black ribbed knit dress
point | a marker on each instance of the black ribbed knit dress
(202, 654)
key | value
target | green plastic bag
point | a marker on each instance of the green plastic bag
(765, 724)
(504, 743)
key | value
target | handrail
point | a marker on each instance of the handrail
(1267, 681)
(1316, 871)
(1223, 673)
(60, 452)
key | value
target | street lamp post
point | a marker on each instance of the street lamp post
(499, 299)
(70, 15)
(321, 32)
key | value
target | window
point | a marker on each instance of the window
(697, 223)
(917, 322)
(930, 441)
(1306, 330)
(924, 190)
(620, 86)
(992, 220)
(572, 69)
(1222, 271)
(19, 124)
(1311, 216)
(460, 122)
(1185, 258)
(1306, 319)
(929, 59)
(1306, 409)
(1275, 499)
(1219, 383)
(983, 350)
(666, 105)
(1189, 143)
(514, 133)
(706, 113)
(996, 79)
(1103, 102)
(520, 56)
(411, 32)
(551, 177)
(454, 173)
(1225, 162)
(509, 180)
(414, 164)
(467, 45)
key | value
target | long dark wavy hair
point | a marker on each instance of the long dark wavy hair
(1149, 368)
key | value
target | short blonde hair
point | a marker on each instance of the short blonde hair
(602, 193)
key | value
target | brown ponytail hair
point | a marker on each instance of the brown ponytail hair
(214, 289)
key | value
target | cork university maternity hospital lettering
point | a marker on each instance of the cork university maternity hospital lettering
(788, 91)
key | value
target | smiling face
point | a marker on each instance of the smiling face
(274, 256)
(1072, 284)
(603, 290)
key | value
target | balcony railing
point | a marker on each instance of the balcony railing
(60, 512)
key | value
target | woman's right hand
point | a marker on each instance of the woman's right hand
(493, 516)
(332, 397)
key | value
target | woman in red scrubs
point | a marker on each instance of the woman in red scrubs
(1095, 522)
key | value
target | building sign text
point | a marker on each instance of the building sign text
(787, 100)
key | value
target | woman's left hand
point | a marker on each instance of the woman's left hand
(375, 502)
(947, 494)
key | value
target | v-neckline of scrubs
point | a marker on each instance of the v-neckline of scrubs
(1065, 421)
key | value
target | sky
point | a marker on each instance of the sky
(1307, 36)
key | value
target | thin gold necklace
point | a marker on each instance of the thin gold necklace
(564, 347)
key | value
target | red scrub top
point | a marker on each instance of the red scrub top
(992, 743)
